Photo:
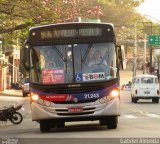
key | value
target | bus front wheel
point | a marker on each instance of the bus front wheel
(45, 126)
(112, 122)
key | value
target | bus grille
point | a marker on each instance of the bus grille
(74, 114)
(72, 102)
(64, 111)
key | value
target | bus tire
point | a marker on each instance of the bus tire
(112, 122)
(61, 124)
(44, 126)
(134, 100)
(155, 100)
(102, 122)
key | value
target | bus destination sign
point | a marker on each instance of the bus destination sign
(69, 33)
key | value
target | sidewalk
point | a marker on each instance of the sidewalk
(11, 92)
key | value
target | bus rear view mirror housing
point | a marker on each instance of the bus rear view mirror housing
(121, 57)
(25, 57)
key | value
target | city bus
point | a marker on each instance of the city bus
(74, 74)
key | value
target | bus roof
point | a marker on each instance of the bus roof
(71, 23)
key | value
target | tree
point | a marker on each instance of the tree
(23, 14)
(19, 14)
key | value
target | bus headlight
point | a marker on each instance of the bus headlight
(48, 103)
(109, 98)
(40, 101)
(102, 100)
(114, 93)
(34, 97)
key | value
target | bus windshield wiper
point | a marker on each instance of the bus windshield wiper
(59, 53)
(86, 53)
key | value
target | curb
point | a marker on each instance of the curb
(12, 92)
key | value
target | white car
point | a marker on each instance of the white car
(25, 87)
(145, 87)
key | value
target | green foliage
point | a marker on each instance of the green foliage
(19, 15)
(16, 17)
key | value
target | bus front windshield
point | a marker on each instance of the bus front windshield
(76, 63)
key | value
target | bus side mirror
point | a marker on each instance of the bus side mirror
(25, 57)
(121, 56)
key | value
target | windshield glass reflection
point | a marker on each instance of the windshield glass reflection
(75, 63)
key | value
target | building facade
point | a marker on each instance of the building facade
(9, 64)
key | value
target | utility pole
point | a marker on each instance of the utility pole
(151, 53)
(158, 68)
(150, 50)
(145, 46)
(135, 51)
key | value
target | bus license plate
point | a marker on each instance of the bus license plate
(75, 109)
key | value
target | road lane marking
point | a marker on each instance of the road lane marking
(154, 115)
(145, 113)
(130, 116)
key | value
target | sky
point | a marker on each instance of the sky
(151, 8)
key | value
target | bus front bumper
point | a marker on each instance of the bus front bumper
(84, 111)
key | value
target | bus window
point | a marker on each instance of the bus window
(95, 62)
(146, 80)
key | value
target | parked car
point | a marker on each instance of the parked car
(25, 86)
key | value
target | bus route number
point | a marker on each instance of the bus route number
(91, 96)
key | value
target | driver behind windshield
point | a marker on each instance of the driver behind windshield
(97, 60)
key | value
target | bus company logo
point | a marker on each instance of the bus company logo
(93, 76)
(74, 85)
(71, 98)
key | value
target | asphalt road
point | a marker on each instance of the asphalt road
(138, 122)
